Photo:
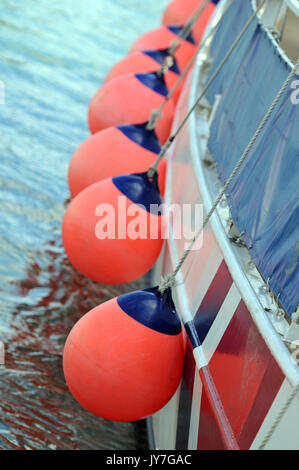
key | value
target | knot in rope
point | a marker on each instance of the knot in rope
(167, 64)
(156, 113)
(167, 282)
(151, 172)
(153, 169)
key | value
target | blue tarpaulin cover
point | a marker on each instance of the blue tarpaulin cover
(264, 195)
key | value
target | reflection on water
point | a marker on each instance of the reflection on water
(53, 57)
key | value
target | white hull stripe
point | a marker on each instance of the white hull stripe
(195, 412)
(198, 328)
(221, 322)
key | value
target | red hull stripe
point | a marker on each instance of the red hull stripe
(211, 303)
(246, 376)
(209, 437)
(217, 413)
(241, 381)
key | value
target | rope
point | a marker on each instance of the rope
(165, 148)
(169, 281)
(167, 64)
(155, 114)
(281, 414)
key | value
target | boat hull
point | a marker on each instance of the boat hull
(238, 373)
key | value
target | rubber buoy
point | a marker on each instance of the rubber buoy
(179, 11)
(110, 231)
(115, 151)
(162, 38)
(144, 62)
(123, 360)
(129, 99)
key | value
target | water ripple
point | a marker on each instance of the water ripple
(53, 58)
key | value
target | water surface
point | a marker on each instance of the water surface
(53, 56)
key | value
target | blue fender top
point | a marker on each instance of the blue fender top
(141, 136)
(152, 309)
(139, 189)
(159, 55)
(177, 30)
(153, 81)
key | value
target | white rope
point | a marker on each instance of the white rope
(169, 281)
(155, 114)
(167, 64)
